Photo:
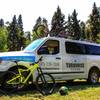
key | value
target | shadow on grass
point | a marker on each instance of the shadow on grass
(77, 85)
(27, 90)
(32, 91)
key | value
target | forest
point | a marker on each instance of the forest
(13, 37)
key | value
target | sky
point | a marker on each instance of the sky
(32, 9)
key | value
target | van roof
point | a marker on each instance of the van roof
(75, 41)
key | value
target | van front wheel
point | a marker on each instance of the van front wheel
(93, 77)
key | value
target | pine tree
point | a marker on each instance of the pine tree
(76, 32)
(99, 10)
(38, 22)
(58, 24)
(20, 23)
(12, 35)
(1, 22)
(94, 22)
(40, 29)
(46, 31)
(28, 38)
(83, 34)
(69, 27)
(3, 38)
(21, 38)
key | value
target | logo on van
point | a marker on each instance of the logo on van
(50, 65)
(75, 66)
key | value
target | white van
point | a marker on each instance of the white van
(63, 58)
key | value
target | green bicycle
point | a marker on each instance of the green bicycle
(45, 82)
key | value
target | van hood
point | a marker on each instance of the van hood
(17, 56)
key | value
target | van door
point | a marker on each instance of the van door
(52, 59)
(74, 60)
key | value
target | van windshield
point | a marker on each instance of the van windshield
(34, 45)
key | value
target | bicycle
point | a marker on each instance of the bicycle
(45, 82)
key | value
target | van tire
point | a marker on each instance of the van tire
(93, 77)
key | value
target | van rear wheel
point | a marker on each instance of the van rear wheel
(93, 77)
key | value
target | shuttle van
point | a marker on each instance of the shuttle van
(63, 58)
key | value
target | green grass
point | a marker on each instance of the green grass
(77, 91)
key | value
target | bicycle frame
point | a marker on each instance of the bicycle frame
(31, 71)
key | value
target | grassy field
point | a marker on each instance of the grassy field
(77, 91)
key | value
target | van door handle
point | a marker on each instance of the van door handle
(58, 58)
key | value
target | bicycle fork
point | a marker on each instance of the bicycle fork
(42, 77)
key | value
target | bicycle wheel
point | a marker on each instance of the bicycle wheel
(45, 83)
(9, 87)
(24, 74)
(12, 82)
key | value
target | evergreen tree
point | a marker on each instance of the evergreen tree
(3, 38)
(69, 27)
(94, 22)
(28, 35)
(20, 23)
(38, 22)
(12, 35)
(99, 10)
(46, 31)
(40, 29)
(83, 34)
(28, 38)
(1, 22)
(21, 38)
(58, 24)
(88, 32)
(76, 32)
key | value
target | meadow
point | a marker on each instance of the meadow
(76, 91)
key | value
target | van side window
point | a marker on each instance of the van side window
(49, 47)
(74, 48)
(92, 50)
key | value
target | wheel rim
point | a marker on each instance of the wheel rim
(12, 85)
(94, 77)
(9, 87)
(16, 84)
